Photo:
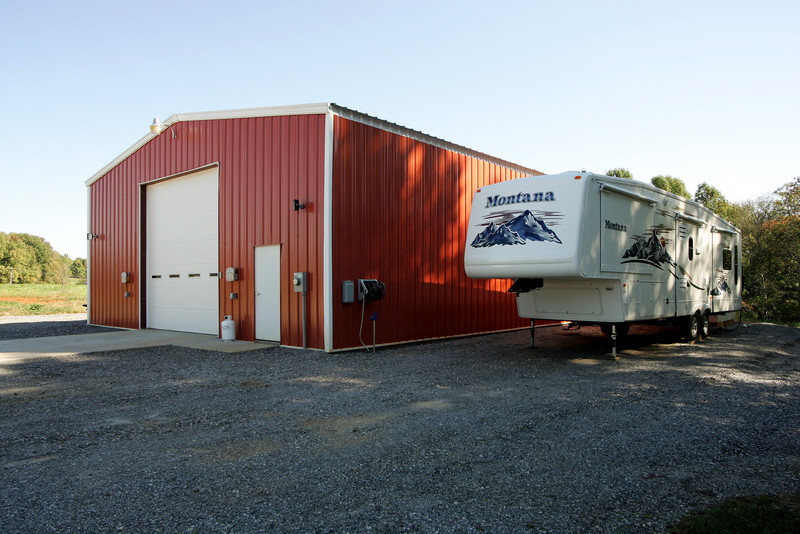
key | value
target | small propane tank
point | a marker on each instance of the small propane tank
(228, 329)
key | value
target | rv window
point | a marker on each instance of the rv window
(727, 259)
(736, 265)
(691, 249)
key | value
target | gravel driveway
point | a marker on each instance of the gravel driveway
(28, 326)
(478, 434)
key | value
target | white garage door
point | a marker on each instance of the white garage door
(182, 253)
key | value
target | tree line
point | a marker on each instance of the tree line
(29, 259)
(770, 228)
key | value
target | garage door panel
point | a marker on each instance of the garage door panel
(177, 318)
(181, 298)
(182, 253)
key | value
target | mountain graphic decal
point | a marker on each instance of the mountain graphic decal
(648, 250)
(532, 228)
(651, 250)
(517, 231)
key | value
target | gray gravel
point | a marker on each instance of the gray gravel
(27, 326)
(468, 435)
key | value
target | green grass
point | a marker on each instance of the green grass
(42, 299)
(764, 514)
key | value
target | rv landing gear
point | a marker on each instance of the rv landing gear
(614, 331)
(622, 328)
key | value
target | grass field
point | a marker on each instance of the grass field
(42, 299)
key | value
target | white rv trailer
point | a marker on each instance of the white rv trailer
(593, 249)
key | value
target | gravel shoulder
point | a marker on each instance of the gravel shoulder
(28, 326)
(466, 435)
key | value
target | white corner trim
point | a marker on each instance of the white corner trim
(327, 239)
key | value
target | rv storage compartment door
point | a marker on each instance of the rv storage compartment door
(574, 300)
(629, 235)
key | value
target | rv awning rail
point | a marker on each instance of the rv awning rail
(620, 191)
(695, 220)
(722, 230)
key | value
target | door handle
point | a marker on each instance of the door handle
(258, 294)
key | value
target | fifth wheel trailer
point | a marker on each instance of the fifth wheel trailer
(594, 249)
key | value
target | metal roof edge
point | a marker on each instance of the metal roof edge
(369, 120)
(251, 113)
(244, 113)
(309, 109)
(119, 159)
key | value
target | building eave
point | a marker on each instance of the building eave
(307, 109)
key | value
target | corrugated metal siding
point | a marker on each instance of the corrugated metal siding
(400, 213)
(264, 163)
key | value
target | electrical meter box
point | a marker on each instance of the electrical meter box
(370, 289)
(300, 282)
(348, 291)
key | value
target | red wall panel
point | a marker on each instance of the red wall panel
(400, 210)
(264, 163)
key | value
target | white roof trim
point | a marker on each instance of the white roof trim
(250, 113)
(307, 109)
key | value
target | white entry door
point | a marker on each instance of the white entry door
(268, 292)
(181, 238)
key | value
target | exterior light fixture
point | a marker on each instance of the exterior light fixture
(298, 206)
(157, 127)
(91, 237)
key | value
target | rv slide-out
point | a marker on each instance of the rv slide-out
(594, 249)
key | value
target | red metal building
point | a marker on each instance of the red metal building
(213, 214)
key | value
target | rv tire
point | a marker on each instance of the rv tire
(704, 325)
(693, 327)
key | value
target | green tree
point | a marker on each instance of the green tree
(78, 269)
(710, 197)
(17, 255)
(620, 172)
(671, 184)
(5, 260)
(59, 269)
(43, 254)
(30, 258)
(788, 203)
(770, 256)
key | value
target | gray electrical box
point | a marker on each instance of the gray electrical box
(348, 291)
(300, 282)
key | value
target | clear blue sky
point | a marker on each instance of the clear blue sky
(705, 91)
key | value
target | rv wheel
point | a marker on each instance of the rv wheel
(693, 327)
(704, 325)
